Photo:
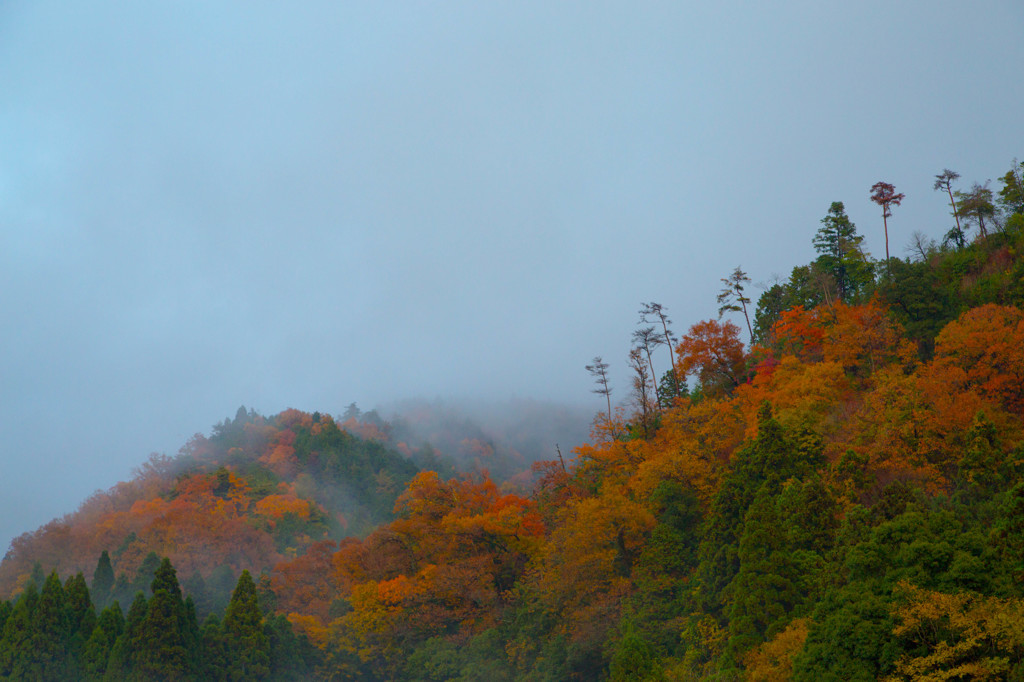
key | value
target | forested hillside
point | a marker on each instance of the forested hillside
(833, 491)
(256, 492)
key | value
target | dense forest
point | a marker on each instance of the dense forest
(833, 491)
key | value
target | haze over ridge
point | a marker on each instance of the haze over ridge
(202, 207)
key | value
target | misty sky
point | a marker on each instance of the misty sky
(204, 205)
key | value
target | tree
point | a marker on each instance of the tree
(671, 387)
(732, 294)
(642, 390)
(16, 643)
(652, 311)
(976, 206)
(102, 580)
(840, 255)
(599, 370)
(884, 194)
(1011, 196)
(81, 613)
(957, 636)
(713, 352)
(944, 180)
(290, 657)
(645, 339)
(245, 642)
(163, 638)
(123, 655)
(770, 305)
(51, 633)
(98, 647)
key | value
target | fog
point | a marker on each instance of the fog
(302, 205)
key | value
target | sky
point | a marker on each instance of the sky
(206, 205)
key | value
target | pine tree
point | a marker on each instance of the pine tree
(97, 649)
(289, 659)
(122, 662)
(51, 634)
(82, 617)
(162, 652)
(145, 574)
(840, 254)
(102, 580)
(214, 663)
(17, 633)
(732, 294)
(247, 646)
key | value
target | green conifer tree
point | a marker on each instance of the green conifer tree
(97, 649)
(291, 657)
(247, 645)
(82, 617)
(37, 576)
(48, 654)
(162, 652)
(102, 581)
(840, 253)
(145, 574)
(17, 633)
(122, 662)
(214, 663)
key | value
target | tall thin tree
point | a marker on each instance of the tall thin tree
(944, 180)
(651, 312)
(884, 194)
(732, 294)
(645, 339)
(641, 392)
(599, 370)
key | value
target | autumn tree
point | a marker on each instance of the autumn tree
(731, 298)
(714, 353)
(957, 636)
(986, 344)
(884, 194)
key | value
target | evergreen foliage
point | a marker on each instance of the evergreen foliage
(55, 635)
(246, 644)
(102, 580)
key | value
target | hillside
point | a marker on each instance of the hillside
(839, 498)
(258, 490)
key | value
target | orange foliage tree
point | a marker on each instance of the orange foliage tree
(987, 343)
(714, 353)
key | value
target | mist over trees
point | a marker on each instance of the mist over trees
(839, 498)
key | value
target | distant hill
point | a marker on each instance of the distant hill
(255, 492)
